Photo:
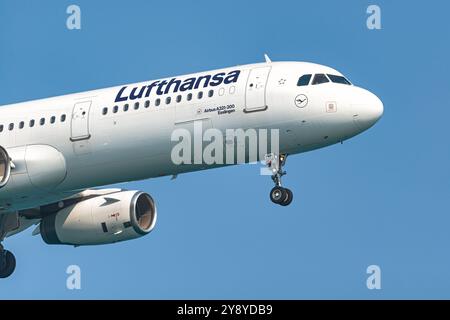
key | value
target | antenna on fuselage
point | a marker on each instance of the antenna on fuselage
(267, 58)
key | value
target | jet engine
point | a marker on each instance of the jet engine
(5, 167)
(110, 218)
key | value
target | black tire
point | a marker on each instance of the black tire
(288, 199)
(9, 265)
(277, 194)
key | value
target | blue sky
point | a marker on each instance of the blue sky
(381, 198)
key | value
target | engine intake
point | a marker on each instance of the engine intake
(143, 213)
(5, 167)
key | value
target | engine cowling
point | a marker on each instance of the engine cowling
(29, 170)
(5, 167)
(110, 218)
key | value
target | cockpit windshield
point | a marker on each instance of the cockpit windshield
(338, 79)
(304, 80)
(320, 78)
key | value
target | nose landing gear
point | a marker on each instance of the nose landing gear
(278, 194)
(281, 196)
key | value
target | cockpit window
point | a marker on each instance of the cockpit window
(338, 79)
(304, 80)
(320, 78)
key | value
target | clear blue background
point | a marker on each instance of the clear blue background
(381, 198)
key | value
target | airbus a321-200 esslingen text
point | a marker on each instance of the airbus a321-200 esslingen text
(54, 151)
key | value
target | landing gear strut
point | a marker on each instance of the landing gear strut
(8, 222)
(278, 194)
(7, 263)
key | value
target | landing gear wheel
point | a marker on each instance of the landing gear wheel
(288, 198)
(277, 194)
(7, 264)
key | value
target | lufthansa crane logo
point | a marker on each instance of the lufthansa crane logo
(301, 101)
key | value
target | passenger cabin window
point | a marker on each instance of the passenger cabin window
(179, 98)
(200, 95)
(63, 118)
(210, 93)
(125, 107)
(157, 102)
(115, 109)
(189, 97)
(21, 124)
(136, 106)
(42, 121)
(11, 126)
(31, 123)
(1, 128)
(168, 99)
(319, 79)
(105, 111)
(52, 119)
(147, 104)
(338, 79)
(304, 80)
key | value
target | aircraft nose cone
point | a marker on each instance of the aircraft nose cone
(369, 111)
(376, 108)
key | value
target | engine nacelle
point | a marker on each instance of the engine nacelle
(103, 219)
(29, 170)
(5, 167)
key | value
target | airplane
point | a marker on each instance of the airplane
(56, 153)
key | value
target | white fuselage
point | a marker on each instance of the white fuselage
(93, 140)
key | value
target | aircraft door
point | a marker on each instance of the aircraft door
(80, 121)
(255, 94)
